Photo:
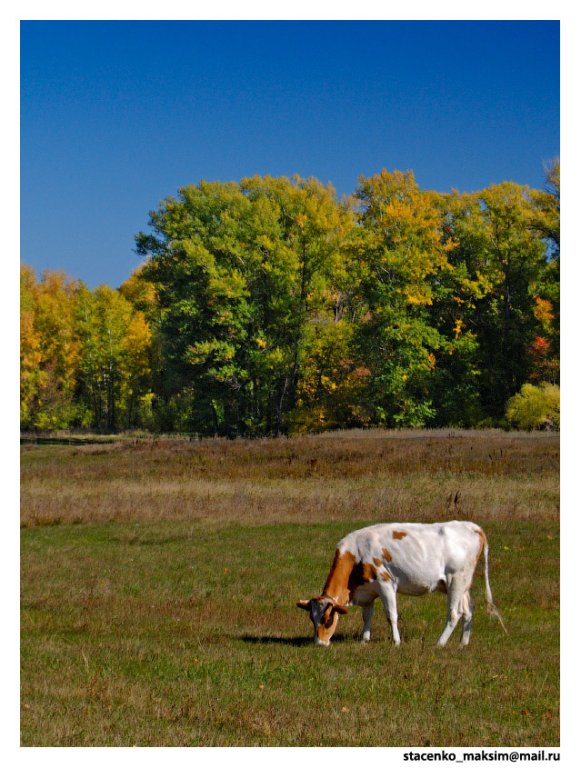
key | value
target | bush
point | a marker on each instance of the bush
(535, 407)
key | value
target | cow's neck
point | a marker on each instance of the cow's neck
(337, 584)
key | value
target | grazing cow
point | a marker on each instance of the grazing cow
(411, 558)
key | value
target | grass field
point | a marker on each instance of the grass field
(159, 581)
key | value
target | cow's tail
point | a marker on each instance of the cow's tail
(490, 607)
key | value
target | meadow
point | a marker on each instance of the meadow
(159, 579)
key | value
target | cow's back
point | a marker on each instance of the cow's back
(418, 557)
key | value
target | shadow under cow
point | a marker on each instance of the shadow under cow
(296, 642)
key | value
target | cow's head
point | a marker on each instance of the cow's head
(324, 613)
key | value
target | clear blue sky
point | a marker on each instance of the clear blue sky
(116, 115)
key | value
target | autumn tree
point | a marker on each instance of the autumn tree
(114, 360)
(462, 289)
(49, 351)
(505, 319)
(297, 275)
(544, 351)
(535, 407)
(30, 346)
(238, 270)
(401, 257)
(196, 264)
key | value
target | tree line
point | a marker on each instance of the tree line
(269, 306)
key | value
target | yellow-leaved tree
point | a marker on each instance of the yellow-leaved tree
(49, 351)
(114, 364)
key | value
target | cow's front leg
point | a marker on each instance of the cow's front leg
(367, 616)
(388, 598)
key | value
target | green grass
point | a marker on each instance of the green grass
(166, 627)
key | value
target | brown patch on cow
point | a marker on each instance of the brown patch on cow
(482, 537)
(326, 628)
(377, 561)
(337, 584)
(369, 572)
(386, 554)
(385, 576)
(399, 534)
(362, 573)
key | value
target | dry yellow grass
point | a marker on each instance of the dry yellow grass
(366, 475)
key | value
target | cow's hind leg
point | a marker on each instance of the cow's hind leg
(388, 598)
(456, 589)
(468, 614)
(367, 616)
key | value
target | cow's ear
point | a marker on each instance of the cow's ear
(304, 604)
(340, 609)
